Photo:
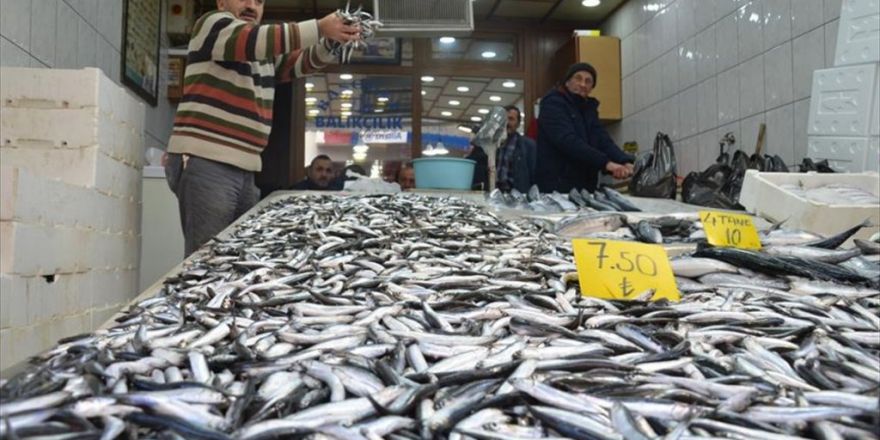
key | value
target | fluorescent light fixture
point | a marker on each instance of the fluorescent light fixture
(590, 3)
(509, 84)
(446, 113)
(454, 102)
(465, 129)
(463, 89)
(476, 118)
(361, 148)
(310, 86)
(424, 93)
(483, 111)
(382, 99)
(311, 100)
(427, 78)
(346, 77)
(488, 54)
(495, 98)
(314, 112)
(347, 92)
(345, 113)
(447, 40)
(346, 105)
(379, 110)
(359, 156)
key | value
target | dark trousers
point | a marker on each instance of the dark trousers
(211, 195)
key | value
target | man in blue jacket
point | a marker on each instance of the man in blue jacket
(515, 160)
(573, 146)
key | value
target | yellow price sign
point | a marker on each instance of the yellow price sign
(730, 230)
(623, 270)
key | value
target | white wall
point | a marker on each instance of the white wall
(72, 34)
(696, 69)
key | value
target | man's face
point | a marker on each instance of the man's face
(581, 83)
(247, 10)
(512, 120)
(407, 178)
(321, 172)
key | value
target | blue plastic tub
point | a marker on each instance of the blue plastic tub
(444, 173)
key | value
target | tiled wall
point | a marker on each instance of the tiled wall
(72, 34)
(697, 69)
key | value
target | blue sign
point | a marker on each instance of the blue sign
(364, 122)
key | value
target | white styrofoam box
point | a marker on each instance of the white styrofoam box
(30, 249)
(841, 101)
(875, 112)
(29, 198)
(86, 167)
(113, 287)
(58, 295)
(858, 37)
(69, 89)
(762, 195)
(71, 128)
(853, 150)
(873, 161)
(13, 301)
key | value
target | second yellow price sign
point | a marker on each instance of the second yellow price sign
(623, 270)
(730, 230)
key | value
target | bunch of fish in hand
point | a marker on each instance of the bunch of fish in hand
(415, 317)
(603, 199)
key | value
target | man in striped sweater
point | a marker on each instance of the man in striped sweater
(224, 118)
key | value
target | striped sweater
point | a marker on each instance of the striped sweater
(225, 113)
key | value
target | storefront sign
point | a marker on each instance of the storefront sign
(364, 122)
(623, 270)
(384, 137)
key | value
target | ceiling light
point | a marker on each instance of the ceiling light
(488, 54)
(446, 113)
(346, 105)
(379, 110)
(483, 111)
(509, 84)
(494, 98)
(361, 148)
(314, 112)
(590, 3)
(427, 78)
(465, 129)
(447, 40)
(311, 100)
(454, 102)
(424, 93)
(346, 113)
(347, 92)
(463, 89)
(345, 77)
(382, 99)
(359, 156)
(476, 118)
(310, 86)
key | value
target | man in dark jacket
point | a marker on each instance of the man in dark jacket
(515, 160)
(480, 181)
(319, 176)
(573, 146)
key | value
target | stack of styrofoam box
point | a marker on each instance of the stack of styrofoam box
(844, 122)
(71, 148)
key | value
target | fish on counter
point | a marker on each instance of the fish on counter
(407, 317)
(603, 199)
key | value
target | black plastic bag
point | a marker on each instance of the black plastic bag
(709, 188)
(654, 173)
(821, 166)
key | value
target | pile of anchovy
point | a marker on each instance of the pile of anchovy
(407, 317)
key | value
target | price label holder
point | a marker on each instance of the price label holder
(730, 230)
(623, 270)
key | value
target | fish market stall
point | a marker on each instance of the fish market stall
(413, 316)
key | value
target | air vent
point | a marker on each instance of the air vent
(424, 18)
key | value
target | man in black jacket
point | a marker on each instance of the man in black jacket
(515, 160)
(573, 146)
(319, 176)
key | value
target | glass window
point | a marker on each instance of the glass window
(453, 107)
(500, 48)
(360, 119)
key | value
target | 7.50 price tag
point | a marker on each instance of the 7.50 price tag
(623, 270)
(730, 230)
